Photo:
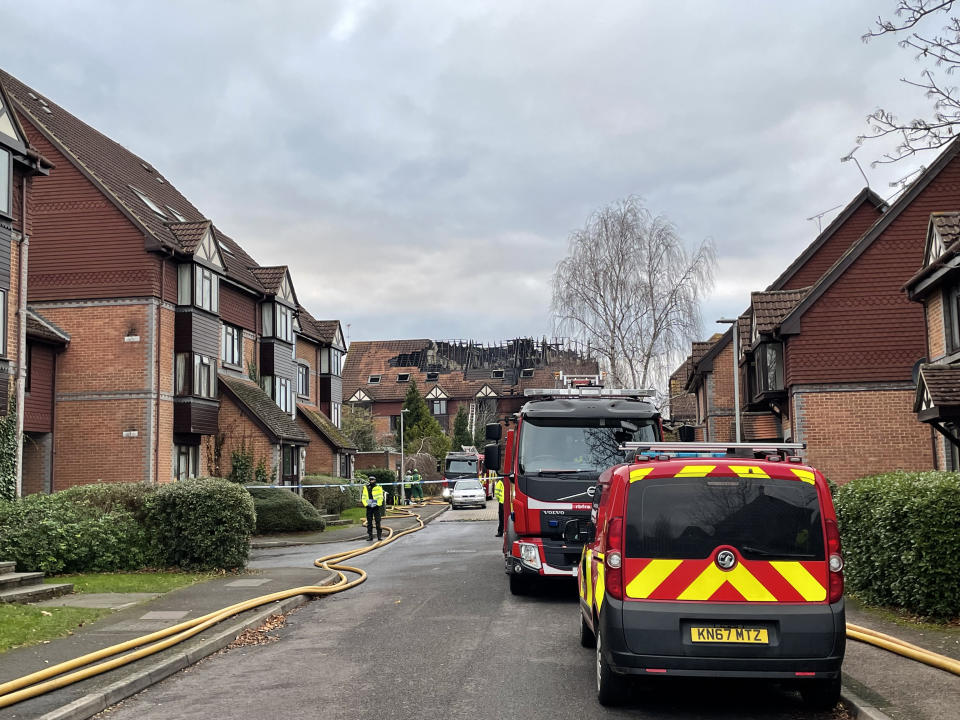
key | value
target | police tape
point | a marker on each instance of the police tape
(363, 484)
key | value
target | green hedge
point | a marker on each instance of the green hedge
(201, 524)
(280, 510)
(54, 534)
(901, 541)
(330, 500)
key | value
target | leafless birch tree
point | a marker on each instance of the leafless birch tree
(632, 290)
(937, 49)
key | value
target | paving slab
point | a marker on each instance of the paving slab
(108, 601)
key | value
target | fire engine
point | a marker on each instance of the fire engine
(563, 439)
(468, 463)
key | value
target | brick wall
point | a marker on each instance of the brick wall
(377, 459)
(239, 431)
(936, 332)
(89, 445)
(321, 458)
(860, 430)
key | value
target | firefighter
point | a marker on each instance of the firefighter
(373, 499)
(407, 487)
(498, 496)
(418, 485)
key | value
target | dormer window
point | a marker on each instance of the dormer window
(277, 321)
(6, 183)
(403, 377)
(769, 367)
(497, 374)
(526, 373)
(433, 376)
(373, 380)
(148, 202)
(198, 286)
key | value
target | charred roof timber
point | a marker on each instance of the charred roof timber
(521, 355)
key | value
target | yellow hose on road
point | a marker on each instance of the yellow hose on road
(38, 683)
(901, 647)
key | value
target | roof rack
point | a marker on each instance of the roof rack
(732, 449)
(587, 391)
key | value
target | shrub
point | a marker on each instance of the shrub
(131, 497)
(900, 540)
(332, 500)
(200, 524)
(280, 510)
(241, 464)
(56, 534)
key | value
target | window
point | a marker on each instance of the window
(184, 272)
(177, 215)
(335, 413)
(336, 362)
(29, 368)
(232, 351)
(526, 373)
(284, 330)
(769, 361)
(282, 396)
(206, 291)
(303, 380)
(187, 462)
(951, 317)
(195, 375)
(439, 407)
(394, 423)
(433, 376)
(291, 461)
(6, 181)
(3, 322)
(496, 374)
(403, 377)
(373, 380)
(148, 202)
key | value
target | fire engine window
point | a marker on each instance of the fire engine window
(578, 444)
(462, 466)
(689, 518)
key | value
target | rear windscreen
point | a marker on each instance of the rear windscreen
(461, 466)
(765, 519)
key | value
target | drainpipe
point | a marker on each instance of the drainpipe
(158, 345)
(22, 344)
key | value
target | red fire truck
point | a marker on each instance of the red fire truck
(465, 464)
(563, 439)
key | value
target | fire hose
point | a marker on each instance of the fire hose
(40, 682)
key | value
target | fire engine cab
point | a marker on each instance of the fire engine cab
(563, 439)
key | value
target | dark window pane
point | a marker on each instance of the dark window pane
(579, 444)
(690, 518)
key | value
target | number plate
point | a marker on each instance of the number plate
(754, 636)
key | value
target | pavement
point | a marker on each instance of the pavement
(878, 685)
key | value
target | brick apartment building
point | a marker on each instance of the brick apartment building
(159, 345)
(488, 381)
(828, 351)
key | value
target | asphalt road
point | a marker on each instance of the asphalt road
(434, 633)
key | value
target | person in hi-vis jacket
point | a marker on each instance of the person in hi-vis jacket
(373, 500)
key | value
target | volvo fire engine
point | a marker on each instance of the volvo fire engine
(563, 439)
(468, 463)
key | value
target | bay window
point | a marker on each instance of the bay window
(232, 345)
(769, 367)
(277, 321)
(195, 375)
(198, 286)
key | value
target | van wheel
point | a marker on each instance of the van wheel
(518, 585)
(610, 686)
(820, 694)
(587, 638)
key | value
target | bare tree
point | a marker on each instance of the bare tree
(941, 49)
(632, 290)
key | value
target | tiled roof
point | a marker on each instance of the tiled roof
(772, 306)
(189, 234)
(948, 226)
(325, 427)
(327, 329)
(252, 399)
(366, 358)
(270, 277)
(39, 328)
(743, 326)
(943, 383)
(323, 331)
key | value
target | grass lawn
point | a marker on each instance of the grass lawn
(354, 514)
(29, 625)
(136, 582)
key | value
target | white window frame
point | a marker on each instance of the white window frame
(3, 323)
(206, 289)
(6, 182)
(186, 461)
(303, 380)
(284, 323)
(282, 394)
(336, 413)
(231, 351)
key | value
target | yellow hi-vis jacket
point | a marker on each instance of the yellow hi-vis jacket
(498, 491)
(377, 495)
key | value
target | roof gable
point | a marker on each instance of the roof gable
(11, 132)
(260, 407)
(325, 428)
(791, 324)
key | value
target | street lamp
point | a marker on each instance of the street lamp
(736, 369)
(403, 492)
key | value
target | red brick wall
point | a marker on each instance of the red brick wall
(834, 247)
(321, 457)
(862, 432)
(864, 329)
(368, 460)
(936, 332)
(239, 430)
(89, 445)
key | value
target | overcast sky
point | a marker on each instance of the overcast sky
(419, 165)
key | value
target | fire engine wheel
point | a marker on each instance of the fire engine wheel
(587, 638)
(610, 686)
(820, 694)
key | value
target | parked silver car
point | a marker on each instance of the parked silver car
(468, 492)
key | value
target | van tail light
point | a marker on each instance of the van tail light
(835, 562)
(613, 559)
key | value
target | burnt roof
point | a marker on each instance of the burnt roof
(261, 408)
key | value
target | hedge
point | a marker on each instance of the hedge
(201, 524)
(901, 542)
(330, 500)
(56, 534)
(280, 510)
